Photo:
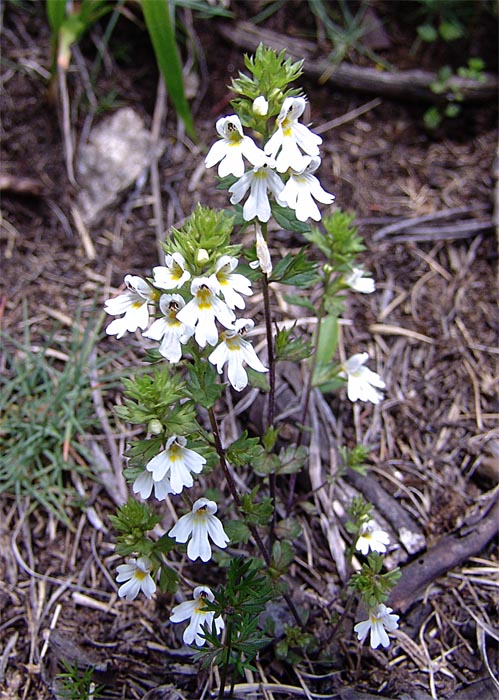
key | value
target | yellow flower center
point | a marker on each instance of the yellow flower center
(177, 271)
(203, 297)
(233, 136)
(232, 343)
(175, 452)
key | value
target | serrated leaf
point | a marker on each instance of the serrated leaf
(267, 463)
(237, 531)
(291, 349)
(295, 269)
(292, 459)
(288, 529)
(164, 545)
(203, 385)
(282, 556)
(244, 450)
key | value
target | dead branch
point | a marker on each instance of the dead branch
(451, 551)
(409, 84)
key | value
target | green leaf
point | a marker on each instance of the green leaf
(258, 380)
(164, 545)
(282, 557)
(304, 302)
(168, 579)
(295, 269)
(270, 438)
(292, 459)
(56, 12)
(203, 385)
(452, 110)
(328, 340)
(339, 242)
(291, 349)
(237, 531)
(267, 463)
(450, 30)
(287, 529)
(256, 513)
(286, 218)
(161, 30)
(244, 450)
(133, 515)
(432, 118)
(427, 32)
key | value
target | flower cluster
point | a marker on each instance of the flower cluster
(193, 311)
(284, 167)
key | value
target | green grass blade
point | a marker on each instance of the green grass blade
(162, 33)
(56, 12)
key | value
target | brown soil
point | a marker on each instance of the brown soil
(431, 328)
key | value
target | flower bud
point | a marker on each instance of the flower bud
(260, 106)
(155, 427)
(202, 256)
(263, 253)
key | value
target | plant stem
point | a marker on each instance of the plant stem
(235, 495)
(306, 403)
(225, 668)
(271, 400)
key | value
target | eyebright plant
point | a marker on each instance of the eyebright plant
(199, 339)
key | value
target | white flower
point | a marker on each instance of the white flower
(260, 106)
(200, 524)
(302, 188)
(202, 310)
(264, 261)
(169, 329)
(177, 462)
(235, 350)
(229, 151)
(362, 383)
(137, 577)
(133, 303)
(372, 538)
(379, 618)
(173, 274)
(144, 484)
(229, 283)
(291, 136)
(356, 281)
(200, 618)
(258, 180)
